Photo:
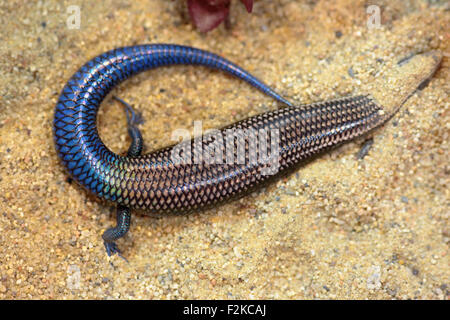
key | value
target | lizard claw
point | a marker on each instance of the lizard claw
(111, 249)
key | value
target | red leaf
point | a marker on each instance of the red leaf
(248, 5)
(208, 14)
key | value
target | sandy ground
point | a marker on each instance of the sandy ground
(340, 227)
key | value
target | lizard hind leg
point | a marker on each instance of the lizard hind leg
(133, 119)
(117, 232)
(124, 213)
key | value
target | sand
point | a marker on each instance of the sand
(339, 228)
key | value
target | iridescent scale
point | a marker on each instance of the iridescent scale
(155, 182)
